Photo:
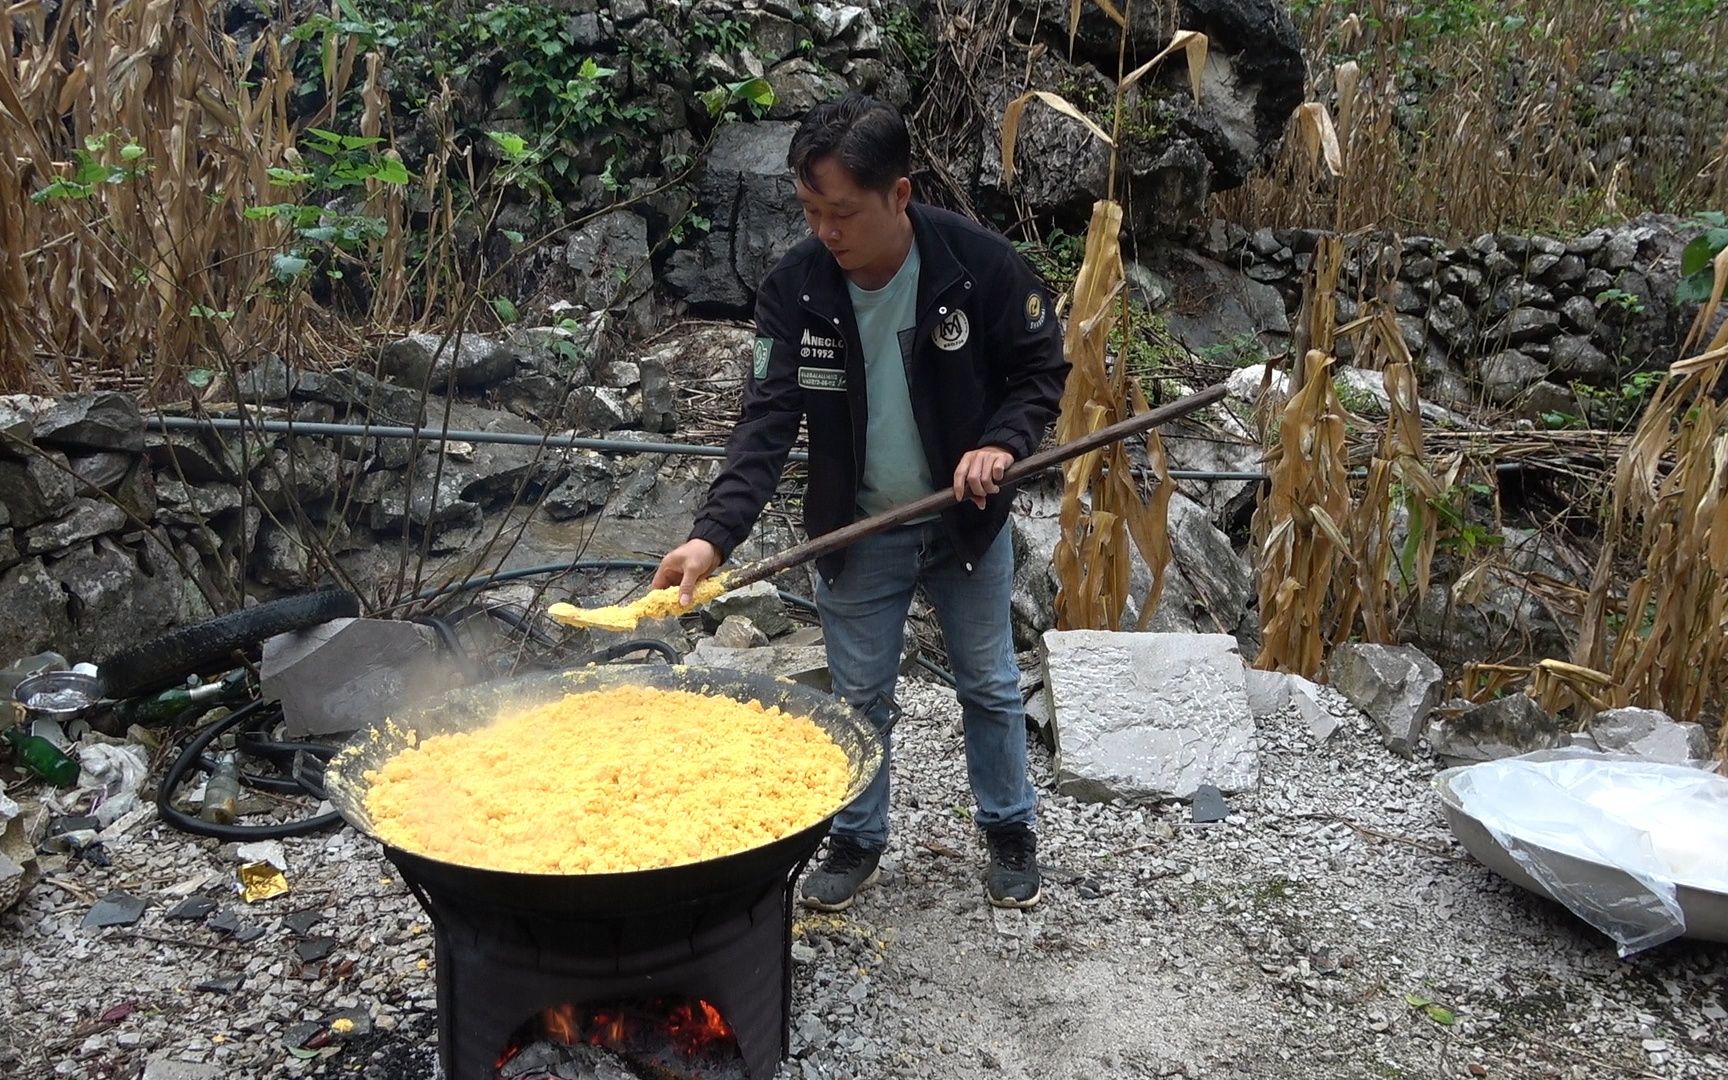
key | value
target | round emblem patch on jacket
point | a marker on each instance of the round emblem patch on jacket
(1036, 312)
(951, 333)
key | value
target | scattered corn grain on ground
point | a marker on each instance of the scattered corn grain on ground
(1286, 943)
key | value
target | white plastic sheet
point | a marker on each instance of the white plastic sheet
(115, 773)
(1660, 825)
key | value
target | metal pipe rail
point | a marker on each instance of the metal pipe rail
(551, 442)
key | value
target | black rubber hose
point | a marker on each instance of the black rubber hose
(317, 430)
(452, 645)
(625, 648)
(498, 577)
(192, 756)
(509, 616)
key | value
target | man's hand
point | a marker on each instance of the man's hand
(685, 565)
(980, 474)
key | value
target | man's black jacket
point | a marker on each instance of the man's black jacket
(986, 368)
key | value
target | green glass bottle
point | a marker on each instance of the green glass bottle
(41, 757)
(172, 702)
(222, 791)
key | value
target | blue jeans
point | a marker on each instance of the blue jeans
(863, 620)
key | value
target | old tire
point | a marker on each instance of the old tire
(209, 645)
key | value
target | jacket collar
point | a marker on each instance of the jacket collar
(939, 269)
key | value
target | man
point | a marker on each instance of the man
(920, 349)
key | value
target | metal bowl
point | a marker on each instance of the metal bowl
(1705, 910)
(59, 695)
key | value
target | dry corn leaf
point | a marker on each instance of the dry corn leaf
(1110, 10)
(1318, 136)
(1347, 77)
(1011, 125)
(1191, 42)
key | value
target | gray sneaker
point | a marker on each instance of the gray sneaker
(834, 884)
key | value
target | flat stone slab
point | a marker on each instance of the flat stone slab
(802, 664)
(342, 675)
(115, 909)
(191, 909)
(1148, 716)
(165, 1068)
(1508, 727)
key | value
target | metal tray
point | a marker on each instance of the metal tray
(1706, 911)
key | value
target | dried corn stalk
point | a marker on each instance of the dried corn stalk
(1327, 560)
(1297, 525)
(1104, 505)
(134, 138)
(1667, 645)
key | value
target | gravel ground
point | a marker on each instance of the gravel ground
(1328, 928)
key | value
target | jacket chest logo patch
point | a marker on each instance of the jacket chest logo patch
(759, 357)
(816, 347)
(821, 378)
(952, 332)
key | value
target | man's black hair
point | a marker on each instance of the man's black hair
(866, 137)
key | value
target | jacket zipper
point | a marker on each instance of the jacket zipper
(922, 328)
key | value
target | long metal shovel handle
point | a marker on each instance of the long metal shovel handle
(941, 500)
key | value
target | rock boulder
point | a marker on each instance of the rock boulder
(1395, 685)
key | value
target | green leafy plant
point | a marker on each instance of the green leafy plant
(89, 169)
(1448, 515)
(1697, 272)
(1239, 350)
(1618, 405)
(756, 94)
(1430, 1008)
(906, 30)
(1057, 257)
(318, 234)
(1629, 302)
(724, 35)
(691, 223)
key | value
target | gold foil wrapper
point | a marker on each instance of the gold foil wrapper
(261, 881)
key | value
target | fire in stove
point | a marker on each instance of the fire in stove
(656, 1039)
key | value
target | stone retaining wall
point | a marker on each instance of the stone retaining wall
(1506, 320)
(110, 534)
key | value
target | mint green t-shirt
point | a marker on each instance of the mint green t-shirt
(895, 469)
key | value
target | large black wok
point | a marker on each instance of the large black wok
(600, 895)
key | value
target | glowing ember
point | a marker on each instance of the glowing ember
(672, 1038)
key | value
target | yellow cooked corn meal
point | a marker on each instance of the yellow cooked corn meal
(603, 781)
(655, 605)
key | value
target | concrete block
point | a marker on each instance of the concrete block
(1148, 716)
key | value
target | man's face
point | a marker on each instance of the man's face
(858, 226)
